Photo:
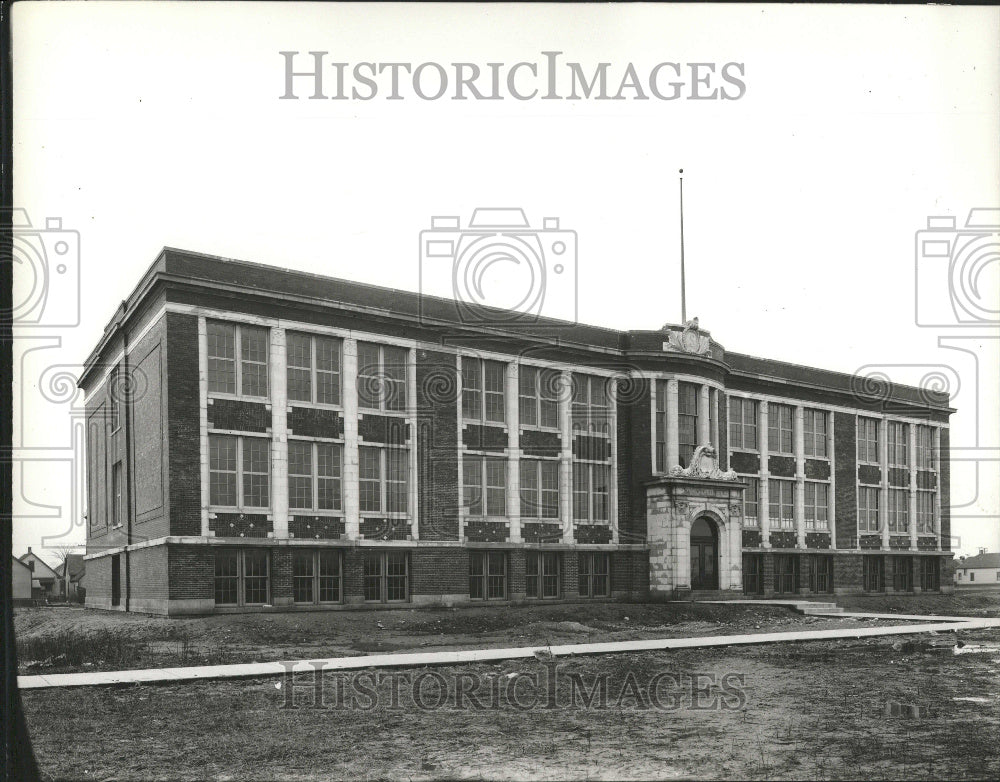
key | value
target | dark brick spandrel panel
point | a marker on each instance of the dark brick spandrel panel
(592, 533)
(781, 466)
(390, 430)
(869, 474)
(240, 525)
(316, 527)
(745, 463)
(592, 448)
(783, 539)
(899, 542)
(385, 529)
(751, 538)
(538, 442)
(870, 542)
(541, 533)
(487, 531)
(817, 469)
(238, 415)
(634, 458)
(927, 479)
(846, 489)
(479, 437)
(926, 544)
(819, 540)
(316, 422)
(899, 477)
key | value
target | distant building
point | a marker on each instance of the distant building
(44, 580)
(980, 570)
(71, 573)
(261, 438)
(20, 578)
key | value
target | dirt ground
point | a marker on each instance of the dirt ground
(882, 708)
(141, 641)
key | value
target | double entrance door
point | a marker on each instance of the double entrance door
(704, 555)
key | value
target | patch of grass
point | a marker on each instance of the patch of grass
(71, 648)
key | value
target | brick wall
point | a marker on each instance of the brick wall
(192, 572)
(147, 573)
(846, 490)
(98, 581)
(183, 425)
(945, 493)
(149, 436)
(440, 571)
(634, 464)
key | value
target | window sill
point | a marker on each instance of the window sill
(238, 397)
(314, 405)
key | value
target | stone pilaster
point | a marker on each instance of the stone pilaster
(912, 510)
(883, 492)
(764, 493)
(513, 415)
(800, 476)
(278, 382)
(352, 501)
(566, 460)
(673, 442)
(704, 430)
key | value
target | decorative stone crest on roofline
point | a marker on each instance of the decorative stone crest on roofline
(704, 464)
(690, 340)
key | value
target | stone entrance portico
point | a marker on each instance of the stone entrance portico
(673, 503)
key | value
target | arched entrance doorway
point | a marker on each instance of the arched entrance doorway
(704, 555)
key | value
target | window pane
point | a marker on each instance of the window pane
(395, 579)
(396, 480)
(372, 576)
(549, 383)
(530, 501)
(528, 395)
(395, 374)
(222, 469)
(472, 484)
(256, 469)
(581, 492)
(255, 577)
(494, 386)
(253, 342)
(472, 388)
(550, 489)
(329, 464)
(370, 483)
(369, 376)
(328, 364)
(221, 338)
(226, 574)
(299, 367)
(496, 487)
(329, 576)
(299, 474)
(302, 577)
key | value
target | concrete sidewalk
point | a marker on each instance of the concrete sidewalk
(928, 624)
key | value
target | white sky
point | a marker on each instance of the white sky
(151, 124)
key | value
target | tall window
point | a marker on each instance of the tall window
(488, 575)
(382, 372)
(242, 577)
(660, 425)
(237, 358)
(591, 487)
(817, 503)
(814, 432)
(899, 453)
(314, 368)
(483, 390)
(780, 437)
(868, 511)
(781, 503)
(543, 574)
(114, 390)
(899, 510)
(868, 440)
(383, 480)
(539, 489)
(386, 576)
(925, 512)
(316, 577)
(538, 394)
(742, 423)
(484, 485)
(239, 471)
(925, 447)
(873, 573)
(591, 410)
(117, 484)
(751, 500)
(315, 473)
(687, 421)
(594, 573)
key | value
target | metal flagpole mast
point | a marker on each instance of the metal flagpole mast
(683, 296)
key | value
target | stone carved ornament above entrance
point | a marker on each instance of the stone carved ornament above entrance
(704, 464)
(690, 340)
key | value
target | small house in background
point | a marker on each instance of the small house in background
(44, 580)
(980, 570)
(20, 580)
(71, 573)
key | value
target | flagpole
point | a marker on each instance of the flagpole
(683, 296)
